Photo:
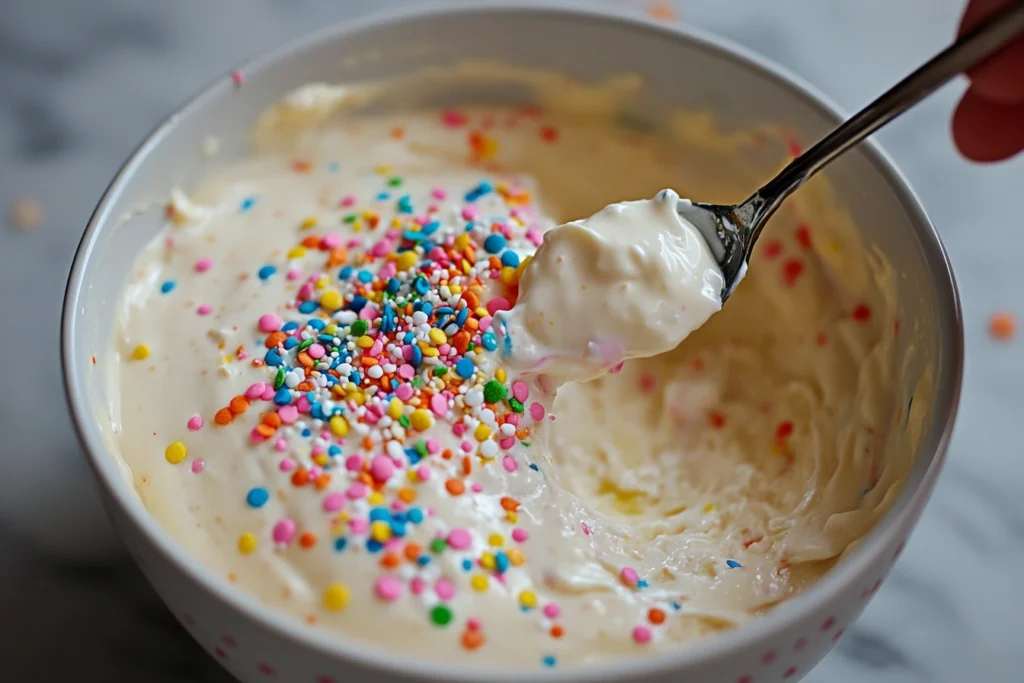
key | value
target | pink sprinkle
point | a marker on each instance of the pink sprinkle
(348, 200)
(288, 414)
(356, 491)
(466, 446)
(433, 446)
(281, 445)
(197, 466)
(284, 531)
(404, 391)
(353, 463)
(438, 193)
(642, 634)
(509, 463)
(286, 465)
(369, 313)
(293, 274)
(647, 383)
(333, 502)
(586, 529)
(406, 371)
(498, 303)
(237, 77)
(359, 526)
(255, 391)
(388, 588)
(520, 391)
(615, 369)
(507, 443)
(477, 487)
(535, 236)
(204, 310)
(473, 624)
(536, 411)
(444, 349)
(381, 248)
(268, 392)
(469, 213)
(376, 349)
(423, 472)
(438, 404)
(203, 265)
(417, 585)
(485, 323)
(445, 589)
(316, 351)
(302, 405)
(551, 610)
(381, 468)
(331, 240)
(519, 535)
(453, 118)
(460, 539)
(459, 429)
(195, 423)
(512, 419)
(306, 291)
(629, 576)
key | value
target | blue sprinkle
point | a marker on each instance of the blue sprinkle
(405, 204)
(357, 304)
(383, 196)
(501, 562)
(308, 306)
(316, 411)
(430, 228)
(345, 272)
(374, 546)
(421, 285)
(290, 343)
(413, 236)
(365, 276)
(265, 272)
(494, 243)
(355, 378)
(316, 323)
(676, 606)
(733, 564)
(380, 515)
(460, 319)
(334, 450)
(534, 467)
(340, 543)
(510, 259)
(507, 351)
(397, 528)
(417, 356)
(413, 456)
(465, 368)
(167, 286)
(427, 307)
(290, 326)
(423, 560)
(306, 433)
(484, 187)
(415, 515)
(334, 167)
(444, 310)
(283, 396)
(642, 584)
(248, 203)
(549, 660)
(273, 358)
(467, 565)
(257, 497)
(393, 286)
(490, 341)
(398, 516)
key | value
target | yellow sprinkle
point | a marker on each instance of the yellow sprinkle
(482, 432)
(380, 531)
(141, 352)
(331, 329)
(479, 582)
(336, 597)
(512, 516)
(508, 275)
(499, 375)
(709, 507)
(382, 169)
(431, 352)
(396, 222)
(487, 561)
(330, 300)
(395, 407)
(322, 282)
(421, 420)
(481, 312)
(455, 289)
(515, 556)
(176, 452)
(307, 223)
(406, 260)
(339, 425)
(359, 397)
(465, 266)
(412, 476)
(246, 543)
(338, 390)
(488, 147)
(364, 342)
(461, 242)
(296, 252)
(496, 540)
(375, 498)
(528, 599)
(437, 336)
(322, 459)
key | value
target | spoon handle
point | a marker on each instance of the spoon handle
(970, 49)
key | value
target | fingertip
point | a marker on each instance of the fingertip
(985, 131)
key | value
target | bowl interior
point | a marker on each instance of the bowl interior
(679, 70)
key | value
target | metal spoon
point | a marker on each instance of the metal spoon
(731, 231)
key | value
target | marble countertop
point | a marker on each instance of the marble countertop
(81, 82)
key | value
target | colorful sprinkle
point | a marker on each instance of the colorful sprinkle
(1002, 326)
(176, 453)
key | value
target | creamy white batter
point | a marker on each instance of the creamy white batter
(685, 494)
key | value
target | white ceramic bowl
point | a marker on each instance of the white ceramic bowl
(682, 67)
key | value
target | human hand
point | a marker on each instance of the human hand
(988, 124)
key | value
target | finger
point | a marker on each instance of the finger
(999, 78)
(988, 131)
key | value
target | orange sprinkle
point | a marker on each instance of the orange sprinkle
(390, 560)
(322, 481)
(455, 487)
(274, 338)
(461, 341)
(367, 443)
(412, 551)
(310, 241)
(407, 495)
(338, 256)
(510, 504)
(717, 419)
(784, 429)
(656, 616)
(471, 640)
(447, 454)
(557, 631)
(238, 405)
(1002, 326)
(467, 466)
(301, 166)
(300, 477)
(265, 430)
(272, 420)
(471, 299)
(304, 386)
(368, 360)
(224, 416)
(305, 359)
(662, 11)
(398, 132)
(307, 539)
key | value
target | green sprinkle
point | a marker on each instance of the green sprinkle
(351, 218)
(440, 371)
(306, 344)
(279, 379)
(395, 182)
(360, 327)
(515, 405)
(441, 615)
(404, 421)
(417, 382)
(494, 392)
(421, 447)
(470, 346)
(438, 545)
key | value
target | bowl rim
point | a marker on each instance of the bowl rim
(908, 503)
